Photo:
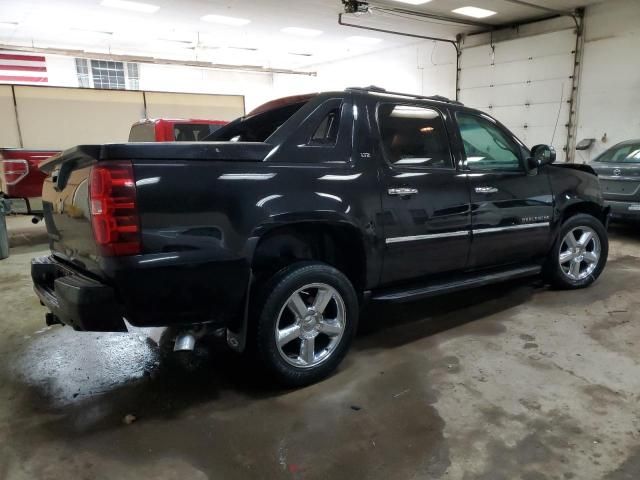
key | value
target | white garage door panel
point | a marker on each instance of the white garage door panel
(536, 46)
(522, 82)
(541, 115)
(548, 91)
(534, 135)
(546, 68)
(521, 49)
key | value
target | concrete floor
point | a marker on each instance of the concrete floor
(508, 382)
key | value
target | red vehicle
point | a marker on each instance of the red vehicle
(20, 176)
(173, 130)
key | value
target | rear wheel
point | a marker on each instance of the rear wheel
(306, 318)
(579, 253)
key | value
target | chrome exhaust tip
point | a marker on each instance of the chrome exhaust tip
(185, 342)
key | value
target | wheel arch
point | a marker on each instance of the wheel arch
(337, 243)
(596, 210)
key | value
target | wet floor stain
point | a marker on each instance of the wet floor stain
(410, 401)
(66, 366)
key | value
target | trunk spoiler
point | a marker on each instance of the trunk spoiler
(240, 151)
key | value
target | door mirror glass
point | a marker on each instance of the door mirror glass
(541, 155)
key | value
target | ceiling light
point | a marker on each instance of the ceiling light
(301, 32)
(133, 6)
(221, 19)
(474, 12)
(413, 2)
(93, 32)
(363, 40)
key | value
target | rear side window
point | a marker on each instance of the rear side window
(629, 153)
(327, 132)
(414, 136)
(143, 132)
(486, 146)
(193, 132)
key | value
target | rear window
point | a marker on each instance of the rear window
(193, 132)
(143, 132)
(626, 153)
(256, 128)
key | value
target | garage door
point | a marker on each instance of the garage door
(525, 83)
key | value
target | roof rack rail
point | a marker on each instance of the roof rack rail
(375, 89)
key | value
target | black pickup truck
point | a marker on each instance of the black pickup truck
(283, 225)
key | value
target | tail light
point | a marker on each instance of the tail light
(14, 170)
(114, 213)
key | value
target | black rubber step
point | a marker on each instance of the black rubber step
(462, 282)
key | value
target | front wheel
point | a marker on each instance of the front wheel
(579, 254)
(306, 319)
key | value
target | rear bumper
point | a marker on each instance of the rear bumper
(624, 210)
(187, 290)
(75, 300)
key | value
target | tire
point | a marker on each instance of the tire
(328, 330)
(583, 263)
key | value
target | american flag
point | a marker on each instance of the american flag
(18, 67)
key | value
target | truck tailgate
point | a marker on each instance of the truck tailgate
(65, 192)
(65, 206)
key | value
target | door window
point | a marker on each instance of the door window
(414, 136)
(486, 146)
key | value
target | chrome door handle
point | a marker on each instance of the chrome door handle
(402, 191)
(486, 190)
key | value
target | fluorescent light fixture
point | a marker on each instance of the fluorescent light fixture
(223, 20)
(92, 32)
(474, 12)
(363, 40)
(301, 32)
(179, 36)
(413, 2)
(132, 6)
(248, 49)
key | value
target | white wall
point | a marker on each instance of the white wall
(61, 71)
(427, 68)
(256, 87)
(609, 98)
(423, 68)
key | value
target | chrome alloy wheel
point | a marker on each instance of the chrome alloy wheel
(579, 253)
(310, 325)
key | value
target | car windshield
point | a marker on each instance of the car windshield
(623, 153)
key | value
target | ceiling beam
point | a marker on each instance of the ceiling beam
(540, 7)
(155, 60)
(431, 16)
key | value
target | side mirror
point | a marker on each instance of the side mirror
(541, 155)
